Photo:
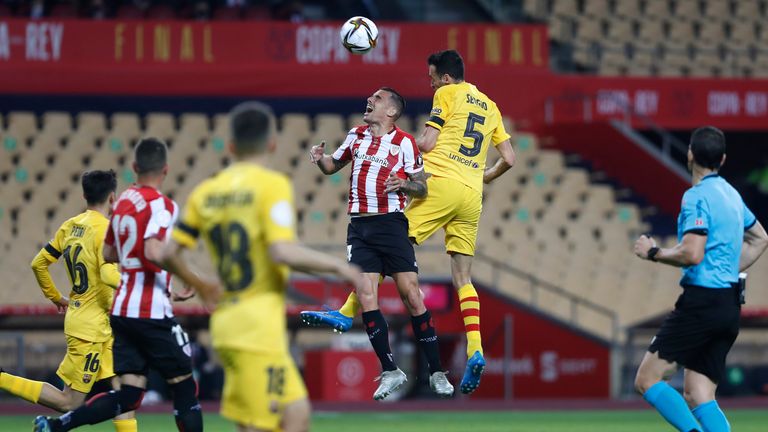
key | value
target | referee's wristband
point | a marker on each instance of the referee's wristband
(652, 253)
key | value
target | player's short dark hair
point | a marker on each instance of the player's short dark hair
(398, 100)
(708, 147)
(151, 155)
(448, 62)
(251, 126)
(97, 185)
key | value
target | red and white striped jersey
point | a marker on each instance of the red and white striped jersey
(373, 159)
(141, 213)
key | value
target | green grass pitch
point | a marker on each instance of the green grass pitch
(492, 421)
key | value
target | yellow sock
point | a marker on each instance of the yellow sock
(26, 389)
(351, 307)
(125, 425)
(470, 312)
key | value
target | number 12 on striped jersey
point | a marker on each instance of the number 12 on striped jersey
(125, 225)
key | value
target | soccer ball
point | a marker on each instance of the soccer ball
(358, 35)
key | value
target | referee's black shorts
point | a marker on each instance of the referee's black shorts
(380, 244)
(700, 331)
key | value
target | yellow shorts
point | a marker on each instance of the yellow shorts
(450, 205)
(258, 386)
(85, 363)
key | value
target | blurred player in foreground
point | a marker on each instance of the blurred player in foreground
(146, 332)
(718, 238)
(386, 169)
(245, 214)
(86, 324)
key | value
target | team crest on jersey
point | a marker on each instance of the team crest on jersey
(87, 378)
(419, 160)
(394, 150)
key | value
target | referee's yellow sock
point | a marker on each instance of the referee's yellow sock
(126, 425)
(470, 312)
(24, 388)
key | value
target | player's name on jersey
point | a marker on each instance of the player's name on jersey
(237, 198)
(78, 231)
(475, 101)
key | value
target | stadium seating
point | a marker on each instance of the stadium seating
(544, 218)
(664, 37)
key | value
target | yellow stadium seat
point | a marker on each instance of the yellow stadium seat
(22, 125)
(746, 10)
(590, 29)
(56, 123)
(627, 9)
(91, 123)
(354, 120)
(596, 8)
(194, 124)
(688, 9)
(125, 125)
(297, 125)
(160, 125)
(565, 8)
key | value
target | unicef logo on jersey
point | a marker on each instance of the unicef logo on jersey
(464, 161)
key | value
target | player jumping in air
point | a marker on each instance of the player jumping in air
(245, 214)
(145, 330)
(454, 142)
(86, 323)
(386, 168)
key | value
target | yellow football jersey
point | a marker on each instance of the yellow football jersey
(468, 121)
(240, 212)
(80, 240)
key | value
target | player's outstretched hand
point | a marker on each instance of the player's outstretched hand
(62, 304)
(393, 183)
(352, 275)
(210, 292)
(317, 152)
(186, 293)
(643, 245)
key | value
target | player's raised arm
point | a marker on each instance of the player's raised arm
(330, 164)
(48, 255)
(428, 139)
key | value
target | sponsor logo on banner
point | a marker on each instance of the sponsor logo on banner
(319, 44)
(723, 103)
(611, 102)
(756, 104)
(350, 371)
(41, 41)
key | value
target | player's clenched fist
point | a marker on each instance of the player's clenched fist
(316, 152)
